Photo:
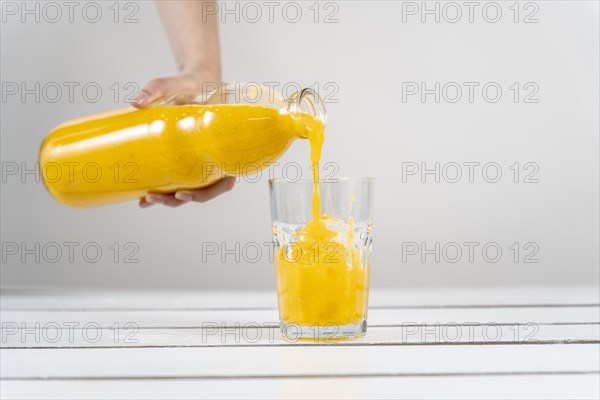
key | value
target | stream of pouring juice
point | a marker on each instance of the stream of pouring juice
(323, 282)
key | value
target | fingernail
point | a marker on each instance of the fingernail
(183, 196)
(154, 199)
(140, 98)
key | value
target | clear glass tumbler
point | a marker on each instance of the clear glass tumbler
(322, 274)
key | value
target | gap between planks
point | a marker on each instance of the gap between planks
(300, 376)
(418, 307)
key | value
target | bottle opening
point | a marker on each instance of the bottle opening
(308, 101)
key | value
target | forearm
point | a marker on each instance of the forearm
(192, 28)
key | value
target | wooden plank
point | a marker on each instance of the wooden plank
(466, 387)
(380, 297)
(62, 337)
(295, 361)
(140, 299)
(377, 317)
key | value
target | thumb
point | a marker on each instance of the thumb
(160, 88)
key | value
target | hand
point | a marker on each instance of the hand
(184, 196)
(161, 88)
(158, 89)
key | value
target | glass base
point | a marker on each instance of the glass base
(322, 333)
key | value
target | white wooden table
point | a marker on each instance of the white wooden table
(469, 343)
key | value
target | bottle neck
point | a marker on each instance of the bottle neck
(307, 102)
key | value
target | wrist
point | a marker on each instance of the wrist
(202, 72)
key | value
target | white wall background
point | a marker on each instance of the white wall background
(368, 53)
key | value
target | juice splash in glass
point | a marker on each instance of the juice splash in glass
(323, 238)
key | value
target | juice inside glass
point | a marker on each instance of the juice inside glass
(322, 261)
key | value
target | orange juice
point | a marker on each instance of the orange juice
(125, 154)
(322, 282)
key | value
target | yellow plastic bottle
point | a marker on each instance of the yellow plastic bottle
(186, 142)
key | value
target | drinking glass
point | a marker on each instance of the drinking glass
(322, 280)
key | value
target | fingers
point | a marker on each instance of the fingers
(207, 193)
(198, 195)
(168, 200)
(160, 88)
(143, 203)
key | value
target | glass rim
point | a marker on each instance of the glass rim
(329, 180)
